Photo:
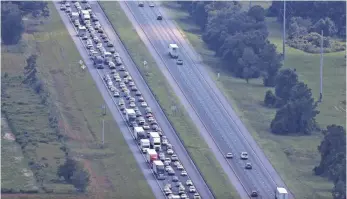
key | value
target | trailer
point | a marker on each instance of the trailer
(151, 156)
(158, 169)
(144, 145)
(154, 139)
(130, 117)
(281, 193)
(173, 50)
(139, 133)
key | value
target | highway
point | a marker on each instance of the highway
(210, 105)
(164, 124)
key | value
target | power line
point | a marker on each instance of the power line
(284, 29)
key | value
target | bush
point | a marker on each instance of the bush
(310, 43)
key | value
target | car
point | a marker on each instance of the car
(138, 113)
(248, 166)
(168, 185)
(109, 44)
(121, 102)
(189, 183)
(164, 142)
(107, 40)
(180, 167)
(177, 163)
(153, 122)
(155, 127)
(148, 115)
(68, 10)
(112, 50)
(107, 77)
(103, 36)
(131, 83)
(122, 85)
(171, 172)
(67, 4)
(84, 37)
(179, 62)
(112, 65)
(122, 68)
(138, 93)
(175, 179)
(118, 79)
(192, 189)
(116, 94)
(116, 54)
(244, 155)
(134, 88)
(143, 104)
(62, 7)
(254, 193)
(150, 119)
(167, 163)
(131, 99)
(174, 157)
(183, 196)
(126, 74)
(159, 17)
(229, 155)
(102, 31)
(170, 152)
(114, 71)
(132, 105)
(122, 107)
(146, 126)
(169, 146)
(148, 110)
(141, 4)
(97, 42)
(184, 173)
(162, 156)
(141, 99)
(167, 191)
(112, 89)
(196, 196)
(151, 5)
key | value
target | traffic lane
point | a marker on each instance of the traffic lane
(139, 159)
(199, 66)
(242, 165)
(191, 112)
(161, 118)
(230, 139)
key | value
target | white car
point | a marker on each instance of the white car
(99, 45)
(118, 79)
(184, 173)
(170, 152)
(167, 168)
(116, 94)
(132, 105)
(151, 5)
(192, 189)
(177, 163)
(113, 89)
(189, 183)
(180, 167)
(146, 126)
(122, 68)
(184, 196)
(196, 196)
(143, 104)
(244, 155)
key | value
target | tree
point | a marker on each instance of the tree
(270, 99)
(68, 169)
(248, 63)
(11, 23)
(257, 12)
(327, 25)
(269, 63)
(298, 26)
(333, 153)
(35, 8)
(80, 180)
(284, 82)
(339, 190)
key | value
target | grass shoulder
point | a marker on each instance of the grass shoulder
(196, 146)
(247, 100)
(114, 171)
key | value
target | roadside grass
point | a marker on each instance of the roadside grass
(195, 145)
(20, 176)
(300, 152)
(114, 171)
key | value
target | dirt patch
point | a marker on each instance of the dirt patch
(9, 136)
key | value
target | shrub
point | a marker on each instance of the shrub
(270, 99)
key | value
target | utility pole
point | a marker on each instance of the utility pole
(250, 4)
(321, 68)
(284, 30)
(103, 125)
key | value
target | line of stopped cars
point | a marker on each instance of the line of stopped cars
(159, 153)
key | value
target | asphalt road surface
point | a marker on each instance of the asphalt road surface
(210, 105)
(182, 154)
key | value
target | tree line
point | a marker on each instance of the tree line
(240, 39)
(12, 13)
(307, 19)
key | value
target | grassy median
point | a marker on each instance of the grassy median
(194, 143)
(114, 171)
(247, 99)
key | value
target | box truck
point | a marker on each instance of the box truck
(154, 139)
(151, 156)
(281, 193)
(158, 169)
(139, 133)
(144, 145)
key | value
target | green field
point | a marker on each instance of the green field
(196, 146)
(298, 152)
(19, 177)
(114, 171)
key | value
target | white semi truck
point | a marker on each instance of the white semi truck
(158, 169)
(139, 133)
(173, 50)
(130, 117)
(281, 193)
(144, 144)
(154, 139)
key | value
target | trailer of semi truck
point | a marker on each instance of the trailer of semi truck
(144, 144)
(130, 117)
(158, 169)
(173, 50)
(139, 133)
(98, 62)
(151, 156)
(154, 139)
(281, 193)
